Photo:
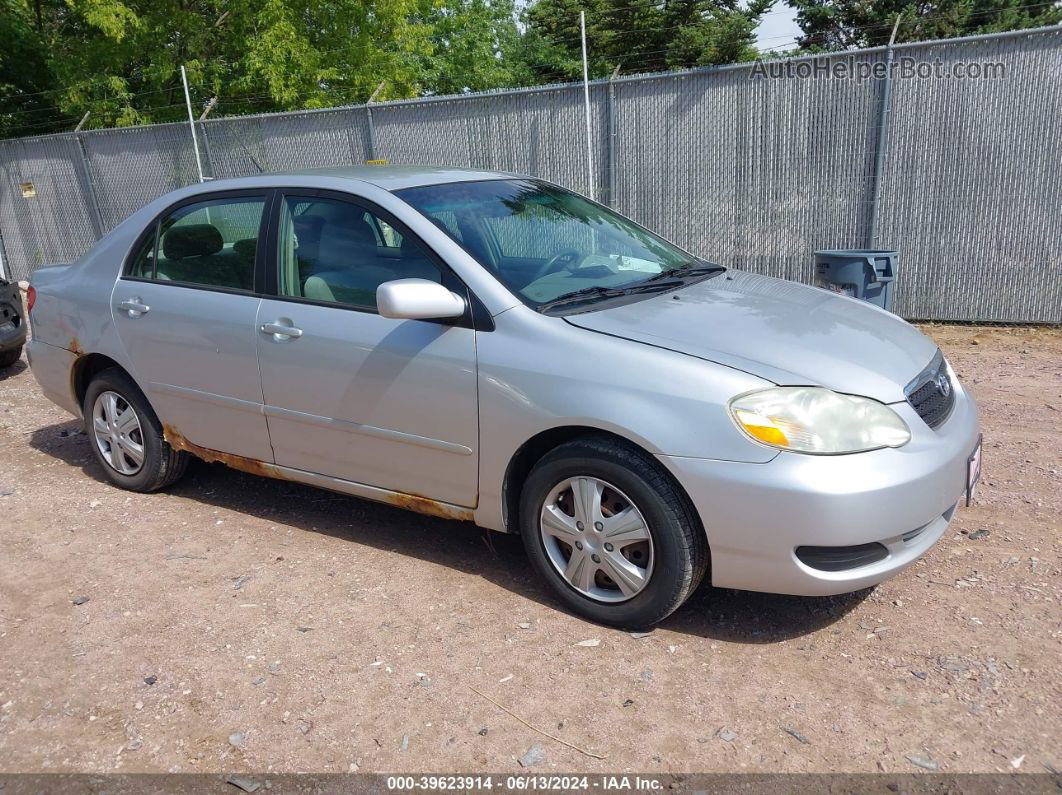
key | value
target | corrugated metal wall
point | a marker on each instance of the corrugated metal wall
(972, 189)
(749, 171)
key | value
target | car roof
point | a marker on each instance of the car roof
(398, 177)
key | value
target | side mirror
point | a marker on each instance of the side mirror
(417, 299)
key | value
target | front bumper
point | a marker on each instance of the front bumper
(757, 515)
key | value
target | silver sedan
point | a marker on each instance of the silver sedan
(493, 348)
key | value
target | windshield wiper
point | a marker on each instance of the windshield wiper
(689, 269)
(600, 291)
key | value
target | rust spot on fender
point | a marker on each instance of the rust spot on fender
(413, 502)
(74, 346)
(177, 441)
(410, 502)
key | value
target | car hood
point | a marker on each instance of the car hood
(782, 331)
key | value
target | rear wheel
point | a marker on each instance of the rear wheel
(611, 532)
(8, 358)
(126, 436)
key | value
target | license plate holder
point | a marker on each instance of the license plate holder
(973, 471)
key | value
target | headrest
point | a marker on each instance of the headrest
(343, 244)
(307, 224)
(245, 249)
(193, 240)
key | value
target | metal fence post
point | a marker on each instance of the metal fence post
(96, 216)
(191, 124)
(209, 151)
(586, 103)
(206, 139)
(372, 127)
(882, 142)
(610, 151)
(3, 259)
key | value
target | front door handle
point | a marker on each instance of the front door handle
(135, 307)
(280, 331)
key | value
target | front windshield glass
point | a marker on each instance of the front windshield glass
(544, 242)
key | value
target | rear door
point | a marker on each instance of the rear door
(348, 393)
(185, 311)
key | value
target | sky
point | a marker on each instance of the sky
(778, 30)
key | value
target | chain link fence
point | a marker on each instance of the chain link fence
(750, 170)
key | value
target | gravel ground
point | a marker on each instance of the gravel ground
(237, 623)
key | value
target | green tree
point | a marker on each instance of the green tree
(846, 24)
(26, 82)
(646, 36)
(474, 44)
(120, 59)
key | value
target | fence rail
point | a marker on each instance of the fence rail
(751, 171)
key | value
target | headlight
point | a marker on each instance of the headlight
(810, 419)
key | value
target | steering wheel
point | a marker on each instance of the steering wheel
(569, 256)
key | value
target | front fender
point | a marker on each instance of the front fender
(538, 373)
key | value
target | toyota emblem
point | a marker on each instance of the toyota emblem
(943, 384)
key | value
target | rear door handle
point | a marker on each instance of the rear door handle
(280, 331)
(134, 307)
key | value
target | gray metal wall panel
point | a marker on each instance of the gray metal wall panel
(753, 173)
(972, 189)
(55, 225)
(541, 133)
(241, 147)
(134, 166)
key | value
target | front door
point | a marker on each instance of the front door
(185, 311)
(348, 393)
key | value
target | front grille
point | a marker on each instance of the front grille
(932, 394)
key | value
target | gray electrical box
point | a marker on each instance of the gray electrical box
(861, 273)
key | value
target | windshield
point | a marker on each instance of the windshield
(546, 243)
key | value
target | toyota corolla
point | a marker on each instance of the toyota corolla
(494, 348)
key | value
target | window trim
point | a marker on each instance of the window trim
(135, 250)
(476, 315)
(268, 196)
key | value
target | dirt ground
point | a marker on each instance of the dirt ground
(238, 623)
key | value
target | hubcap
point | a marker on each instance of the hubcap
(597, 539)
(116, 429)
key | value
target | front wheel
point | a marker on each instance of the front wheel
(611, 532)
(126, 436)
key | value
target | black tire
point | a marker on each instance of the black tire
(680, 547)
(8, 358)
(162, 464)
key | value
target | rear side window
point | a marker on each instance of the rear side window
(211, 243)
(144, 262)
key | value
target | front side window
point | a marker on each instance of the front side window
(338, 252)
(544, 242)
(210, 243)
